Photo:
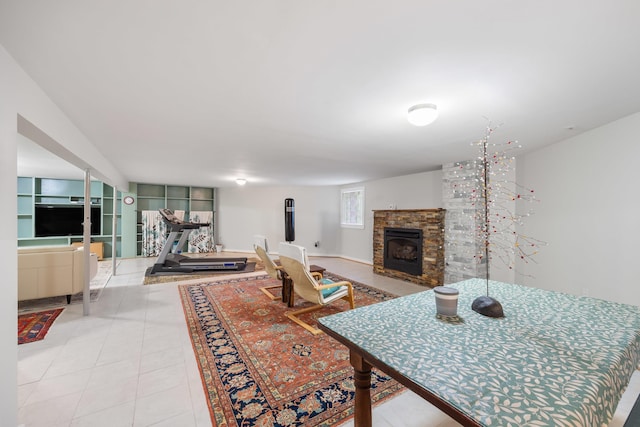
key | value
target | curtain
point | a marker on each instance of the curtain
(154, 232)
(201, 240)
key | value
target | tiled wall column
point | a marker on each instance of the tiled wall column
(461, 221)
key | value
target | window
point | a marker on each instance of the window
(352, 207)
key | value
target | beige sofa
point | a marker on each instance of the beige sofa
(52, 271)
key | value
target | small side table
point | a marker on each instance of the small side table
(288, 295)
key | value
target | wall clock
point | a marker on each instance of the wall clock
(128, 200)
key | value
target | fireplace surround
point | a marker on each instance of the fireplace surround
(414, 249)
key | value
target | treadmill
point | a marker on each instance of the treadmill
(170, 260)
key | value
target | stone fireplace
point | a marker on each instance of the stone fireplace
(408, 244)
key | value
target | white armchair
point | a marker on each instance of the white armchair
(317, 291)
(260, 245)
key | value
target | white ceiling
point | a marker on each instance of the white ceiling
(313, 93)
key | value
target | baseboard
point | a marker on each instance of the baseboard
(361, 261)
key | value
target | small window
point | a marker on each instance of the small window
(352, 207)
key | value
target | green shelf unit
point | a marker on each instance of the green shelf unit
(177, 198)
(148, 204)
(25, 207)
(70, 189)
(53, 191)
(107, 225)
(107, 206)
(139, 238)
(151, 191)
(25, 186)
(202, 199)
(25, 216)
(152, 197)
(200, 193)
(177, 192)
(108, 201)
(25, 226)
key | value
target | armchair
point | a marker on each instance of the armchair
(299, 253)
(320, 293)
(275, 271)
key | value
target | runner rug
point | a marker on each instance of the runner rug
(34, 326)
(258, 368)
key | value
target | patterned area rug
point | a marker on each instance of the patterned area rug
(34, 326)
(260, 369)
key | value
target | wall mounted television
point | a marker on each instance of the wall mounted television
(64, 220)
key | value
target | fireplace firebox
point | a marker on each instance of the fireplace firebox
(431, 255)
(403, 250)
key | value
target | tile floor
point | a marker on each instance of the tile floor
(130, 362)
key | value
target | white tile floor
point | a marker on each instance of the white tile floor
(130, 362)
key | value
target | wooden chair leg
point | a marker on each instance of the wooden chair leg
(349, 298)
(293, 316)
(265, 290)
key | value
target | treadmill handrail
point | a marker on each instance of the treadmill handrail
(176, 224)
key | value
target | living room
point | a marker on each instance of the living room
(585, 185)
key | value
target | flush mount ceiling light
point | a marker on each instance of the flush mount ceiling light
(241, 181)
(422, 114)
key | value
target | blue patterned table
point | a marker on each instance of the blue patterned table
(554, 359)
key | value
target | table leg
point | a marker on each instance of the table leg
(362, 382)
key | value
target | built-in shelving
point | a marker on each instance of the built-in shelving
(34, 191)
(175, 197)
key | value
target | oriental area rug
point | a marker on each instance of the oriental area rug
(34, 326)
(258, 368)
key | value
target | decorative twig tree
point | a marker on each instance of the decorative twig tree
(494, 195)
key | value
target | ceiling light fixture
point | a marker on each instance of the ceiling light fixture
(422, 114)
(241, 181)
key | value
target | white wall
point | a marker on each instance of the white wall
(589, 213)
(416, 191)
(245, 211)
(9, 263)
(20, 95)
